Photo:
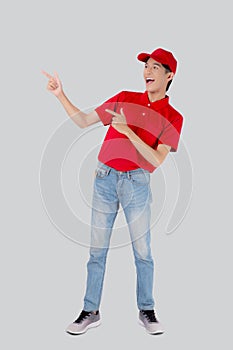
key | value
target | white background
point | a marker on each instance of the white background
(93, 46)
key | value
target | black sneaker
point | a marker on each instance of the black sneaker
(85, 321)
(148, 319)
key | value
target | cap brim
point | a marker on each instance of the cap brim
(143, 56)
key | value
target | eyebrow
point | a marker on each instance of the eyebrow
(155, 64)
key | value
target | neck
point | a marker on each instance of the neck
(155, 96)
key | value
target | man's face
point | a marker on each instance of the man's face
(155, 76)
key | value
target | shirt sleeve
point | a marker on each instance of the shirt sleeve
(111, 103)
(171, 133)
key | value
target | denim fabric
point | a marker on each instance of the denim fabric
(132, 191)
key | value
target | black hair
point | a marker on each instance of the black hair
(167, 70)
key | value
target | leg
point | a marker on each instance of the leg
(104, 210)
(138, 214)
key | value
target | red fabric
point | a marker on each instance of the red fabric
(154, 122)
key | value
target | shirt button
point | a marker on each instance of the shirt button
(148, 105)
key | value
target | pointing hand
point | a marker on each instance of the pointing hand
(54, 83)
(119, 121)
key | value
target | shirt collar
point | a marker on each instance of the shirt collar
(157, 105)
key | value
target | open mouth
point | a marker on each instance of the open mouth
(149, 81)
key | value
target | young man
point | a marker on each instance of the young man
(143, 128)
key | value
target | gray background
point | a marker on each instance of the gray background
(93, 46)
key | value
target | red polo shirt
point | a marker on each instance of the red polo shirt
(154, 122)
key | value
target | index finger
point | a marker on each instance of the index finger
(46, 74)
(112, 112)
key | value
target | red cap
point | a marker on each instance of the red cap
(161, 56)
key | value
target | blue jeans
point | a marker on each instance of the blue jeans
(132, 190)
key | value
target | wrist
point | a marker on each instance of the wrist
(60, 96)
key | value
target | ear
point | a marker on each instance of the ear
(170, 76)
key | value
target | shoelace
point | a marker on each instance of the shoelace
(82, 316)
(150, 315)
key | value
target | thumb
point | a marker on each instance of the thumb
(57, 78)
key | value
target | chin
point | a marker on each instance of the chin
(150, 89)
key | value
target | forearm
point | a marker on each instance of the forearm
(73, 112)
(151, 155)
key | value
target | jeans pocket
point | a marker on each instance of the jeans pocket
(101, 172)
(142, 178)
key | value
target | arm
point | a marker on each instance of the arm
(80, 118)
(155, 157)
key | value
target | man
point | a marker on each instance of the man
(143, 128)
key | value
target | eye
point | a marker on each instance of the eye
(146, 66)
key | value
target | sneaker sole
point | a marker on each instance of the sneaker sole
(91, 325)
(153, 333)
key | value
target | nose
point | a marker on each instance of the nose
(148, 69)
